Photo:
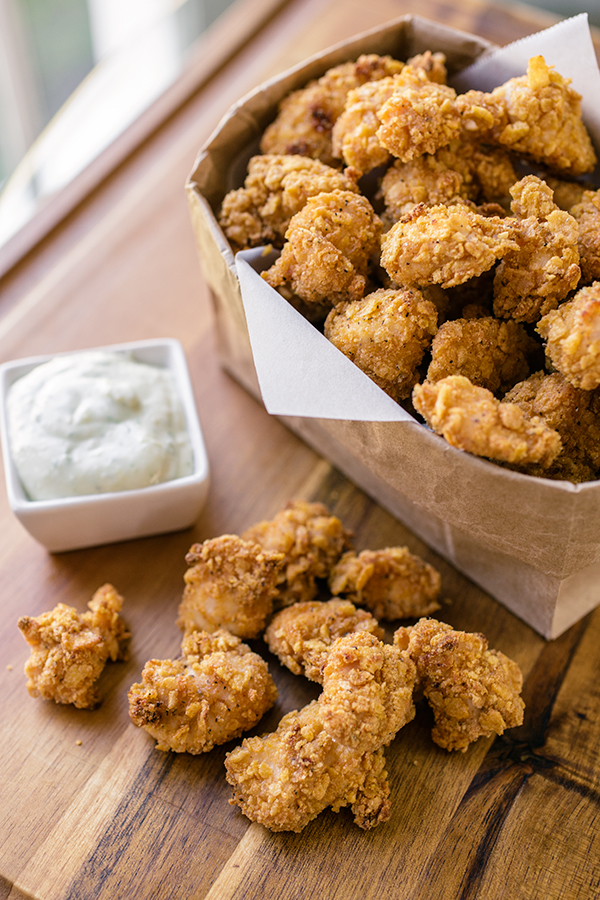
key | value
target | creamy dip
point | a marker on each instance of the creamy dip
(94, 422)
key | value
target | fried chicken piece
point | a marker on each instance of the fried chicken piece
(419, 119)
(567, 194)
(537, 115)
(473, 691)
(310, 540)
(367, 692)
(573, 413)
(301, 635)
(69, 650)
(307, 116)
(355, 133)
(285, 779)
(386, 335)
(328, 249)
(572, 335)
(231, 584)
(446, 245)
(535, 278)
(275, 189)
(214, 692)
(489, 352)
(587, 215)
(470, 418)
(392, 583)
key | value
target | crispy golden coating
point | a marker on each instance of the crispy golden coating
(275, 189)
(587, 215)
(214, 692)
(573, 413)
(301, 635)
(470, 418)
(473, 691)
(392, 583)
(572, 335)
(69, 650)
(446, 245)
(311, 542)
(386, 335)
(533, 279)
(367, 692)
(537, 115)
(567, 194)
(306, 116)
(419, 119)
(328, 250)
(427, 179)
(489, 352)
(462, 171)
(285, 779)
(231, 584)
(355, 134)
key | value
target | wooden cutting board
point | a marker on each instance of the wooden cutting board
(88, 807)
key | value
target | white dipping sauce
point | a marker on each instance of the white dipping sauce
(96, 422)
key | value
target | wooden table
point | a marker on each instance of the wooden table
(88, 807)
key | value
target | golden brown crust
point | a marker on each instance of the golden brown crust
(392, 583)
(490, 353)
(539, 274)
(367, 692)
(307, 116)
(470, 418)
(231, 584)
(275, 189)
(572, 336)
(213, 693)
(69, 650)
(328, 250)
(573, 413)
(473, 691)
(310, 539)
(301, 635)
(386, 335)
(285, 779)
(445, 245)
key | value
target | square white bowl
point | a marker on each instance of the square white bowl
(71, 523)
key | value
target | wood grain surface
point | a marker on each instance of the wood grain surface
(88, 807)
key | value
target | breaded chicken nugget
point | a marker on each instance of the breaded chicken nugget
(537, 115)
(230, 583)
(301, 635)
(307, 116)
(470, 418)
(285, 779)
(446, 245)
(214, 692)
(573, 413)
(69, 650)
(392, 583)
(572, 335)
(587, 215)
(536, 277)
(311, 542)
(473, 691)
(489, 352)
(419, 119)
(275, 189)
(386, 335)
(328, 250)
(367, 692)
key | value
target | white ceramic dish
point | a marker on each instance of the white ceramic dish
(74, 522)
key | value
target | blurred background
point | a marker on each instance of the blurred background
(75, 73)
